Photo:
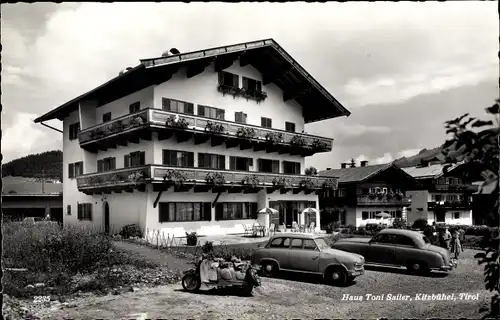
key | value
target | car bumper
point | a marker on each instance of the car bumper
(447, 268)
(356, 272)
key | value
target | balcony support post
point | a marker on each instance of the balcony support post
(219, 192)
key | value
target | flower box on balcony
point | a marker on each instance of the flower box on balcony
(215, 179)
(245, 132)
(175, 178)
(318, 144)
(137, 121)
(298, 141)
(274, 137)
(225, 89)
(176, 122)
(307, 184)
(251, 181)
(282, 182)
(254, 95)
(214, 127)
(329, 184)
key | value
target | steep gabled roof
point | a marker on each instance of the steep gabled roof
(432, 171)
(356, 174)
(267, 56)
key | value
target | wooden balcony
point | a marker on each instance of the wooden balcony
(199, 180)
(461, 205)
(131, 128)
(383, 200)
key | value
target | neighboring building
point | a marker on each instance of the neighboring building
(447, 198)
(365, 191)
(22, 198)
(196, 141)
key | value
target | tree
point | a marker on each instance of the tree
(311, 171)
(477, 142)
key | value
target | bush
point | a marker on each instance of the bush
(131, 230)
(332, 226)
(399, 223)
(420, 224)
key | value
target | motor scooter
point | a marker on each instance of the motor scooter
(218, 273)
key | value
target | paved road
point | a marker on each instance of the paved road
(306, 299)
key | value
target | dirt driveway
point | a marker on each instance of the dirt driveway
(306, 299)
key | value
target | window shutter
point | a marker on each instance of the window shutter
(221, 77)
(258, 86)
(131, 108)
(232, 163)
(68, 209)
(219, 209)
(207, 211)
(142, 158)
(173, 158)
(222, 162)
(112, 164)
(71, 170)
(250, 162)
(99, 165)
(253, 210)
(238, 116)
(79, 211)
(220, 113)
(263, 122)
(126, 161)
(201, 110)
(244, 118)
(259, 164)
(245, 83)
(236, 80)
(189, 108)
(190, 159)
(276, 166)
(201, 160)
(165, 103)
(89, 210)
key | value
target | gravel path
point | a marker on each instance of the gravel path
(289, 298)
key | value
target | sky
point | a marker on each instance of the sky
(402, 68)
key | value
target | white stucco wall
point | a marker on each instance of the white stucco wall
(120, 107)
(419, 199)
(465, 217)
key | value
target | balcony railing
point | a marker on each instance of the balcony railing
(383, 200)
(130, 177)
(458, 187)
(157, 118)
(459, 204)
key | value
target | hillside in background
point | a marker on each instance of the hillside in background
(42, 165)
(432, 155)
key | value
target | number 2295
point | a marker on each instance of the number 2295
(41, 299)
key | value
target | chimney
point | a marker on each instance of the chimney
(353, 163)
(343, 165)
(328, 169)
(364, 163)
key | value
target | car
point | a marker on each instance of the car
(32, 219)
(308, 253)
(398, 247)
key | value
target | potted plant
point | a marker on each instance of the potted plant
(389, 195)
(380, 195)
(215, 179)
(191, 238)
(281, 182)
(260, 96)
(251, 181)
(307, 184)
(318, 144)
(274, 137)
(214, 127)
(245, 132)
(298, 141)
(175, 178)
(311, 171)
(330, 184)
(225, 89)
(372, 196)
(117, 126)
(137, 121)
(399, 195)
(136, 177)
(176, 122)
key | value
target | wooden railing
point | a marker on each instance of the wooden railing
(384, 200)
(158, 118)
(449, 204)
(150, 173)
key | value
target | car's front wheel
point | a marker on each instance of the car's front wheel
(269, 269)
(336, 276)
(417, 267)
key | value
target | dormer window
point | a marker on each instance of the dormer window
(228, 79)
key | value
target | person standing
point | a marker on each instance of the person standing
(447, 238)
(456, 247)
(434, 233)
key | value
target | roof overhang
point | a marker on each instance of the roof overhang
(267, 56)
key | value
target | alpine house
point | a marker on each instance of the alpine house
(196, 142)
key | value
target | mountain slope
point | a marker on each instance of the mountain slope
(43, 165)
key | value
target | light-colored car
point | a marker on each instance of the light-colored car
(397, 247)
(308, 253)
(381, 222)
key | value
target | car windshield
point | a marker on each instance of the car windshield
(321, 243)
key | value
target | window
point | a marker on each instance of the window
(309, 244)
(106, 164)
(365, 215)
(290, 167)
(404, 241)
(68, 209)
(240, 117)
(106, 117)
(296, 243)
(184, 211)
(251, 85)
(371, 214)
(342, 193)
(211, 161)
(266, 122)
(75, 169)
(269, 166)
(229, 79)
(235, 210)
(178, 158)
(438, 197)
(74, 129)
(85, 211)
(290, 126)
(134, 107)
(399, 214)
(133, 159)
(280, 243)
(177, 106)
(385, 238)
(211, 112)
(240, 163)
(456, 215)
